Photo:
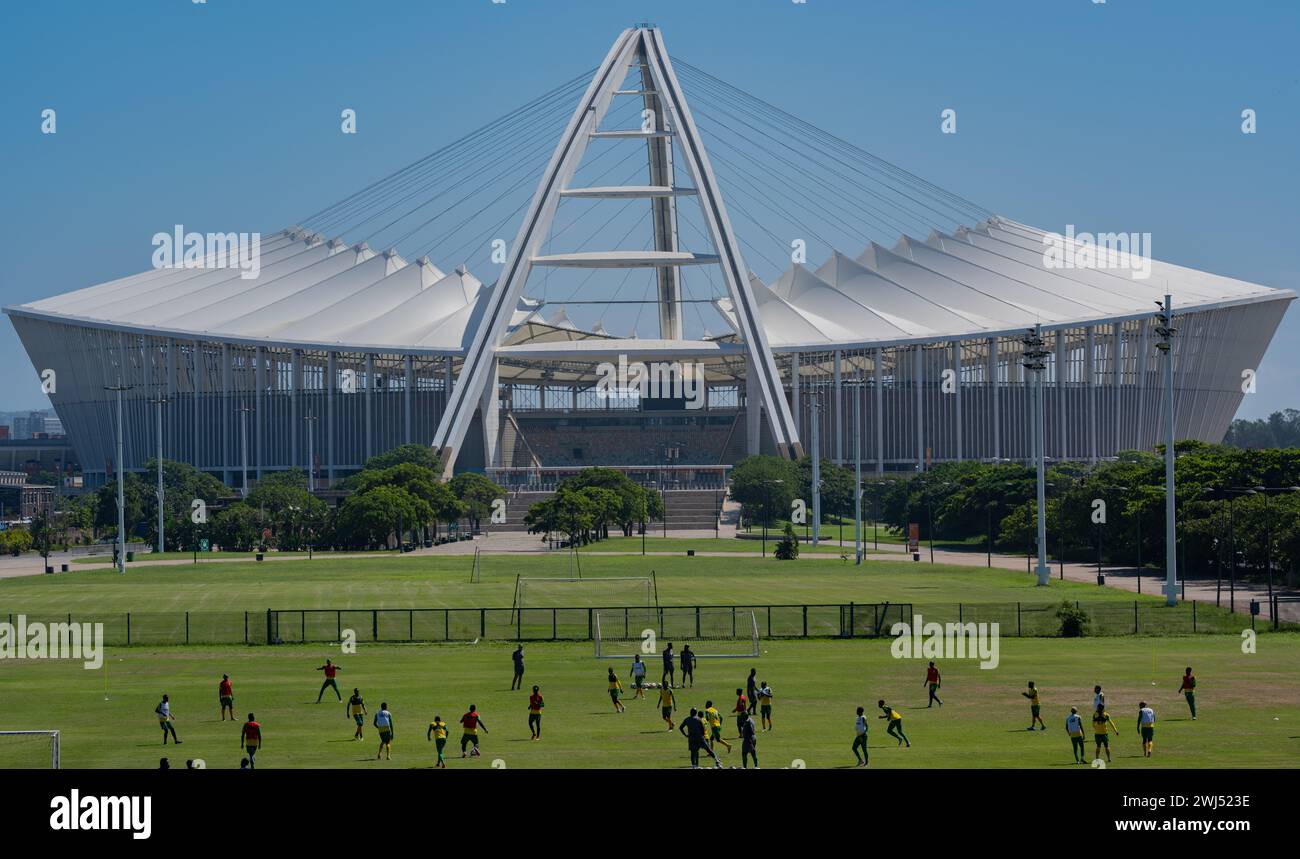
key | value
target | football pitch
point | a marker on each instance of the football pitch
(1247, 700)
(1247, 705)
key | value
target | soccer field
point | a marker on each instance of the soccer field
(1247, 707)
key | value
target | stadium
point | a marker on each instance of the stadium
(775, 268)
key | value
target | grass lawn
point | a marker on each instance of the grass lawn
(1248, 704)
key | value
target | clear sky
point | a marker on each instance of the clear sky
(1119, 116)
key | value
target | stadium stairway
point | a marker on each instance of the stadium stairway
(688, 509)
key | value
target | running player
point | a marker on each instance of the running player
(895, 728)
(250, 737)
(932, 680)
(384, 725)
(535, 706)
(1188, 689)
(1074, 727)
(638, 676)
(748, 741)
(615, 691)
(692, 727)
(688, 665)
(741, 710)
(1035, 708)
(518, 658)
(226, 696)
(1146, 727)
(356, 708)
(669, 678)
(751, 691)
(165, 718)
(470, 724)
(714, 720)
(667, 704)
(330, 670)
(438, 733)
(860, 737)
(1101, 726)
(765, 705)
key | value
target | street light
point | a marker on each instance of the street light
(243, 445)
(311, 459)
(160, 401)
(1165, 330)
(1034, 353)
(121, 494)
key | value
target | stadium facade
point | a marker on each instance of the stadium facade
(912, 348)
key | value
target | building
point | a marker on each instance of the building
(910, 345)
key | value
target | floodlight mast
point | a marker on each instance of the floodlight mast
(1166, 330)
(1034, 353)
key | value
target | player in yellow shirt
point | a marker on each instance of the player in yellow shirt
(667, 704)
(895, 726)
(1101, 727)
(714, 720)
(1035, 708)
(615, 691)
(438, 733)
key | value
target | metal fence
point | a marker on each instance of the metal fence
(848, 620)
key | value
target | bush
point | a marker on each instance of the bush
(1074, 620)
(788, 547)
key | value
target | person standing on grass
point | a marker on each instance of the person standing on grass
(356, 708)
(615, 691)
(933, 681)
(471, 723)
(638, 676)
(688, 665)
(518, 658)
(1101, 726)
(226, 696)
(669, 678)
(667, 704)
(741, 711)
(748, 741)
(1188, 689)
(438, 733)
(330, 670)
(165, 719)
(1074, 727)
(1035, 708)
(692, 727)
(714, 720)
(860, 738)
(1146, 727)
(535, 707)
(250, 737)
(1098, 698)
(895, 728)
(765, 705)
(384, 725)
(751, 691)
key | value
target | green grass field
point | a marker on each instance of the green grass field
(1248, 704)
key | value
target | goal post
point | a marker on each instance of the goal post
(719, 632)
(29, 749)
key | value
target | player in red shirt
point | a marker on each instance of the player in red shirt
(251, 739)
(471, 723)
(330, 670)
(932, 680)
(742, 712)
(226, 695)
(535, 707)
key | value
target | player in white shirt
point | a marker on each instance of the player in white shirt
(860, 738)
(1074, 728)
(1146, 727)
(638, 676)
(165, 718)
(384, 725)
(1098, 698)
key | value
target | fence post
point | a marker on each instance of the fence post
(1193, 615)
(851, 619)
(1018, 630)
(245, 627)
(187, 627)
(769, 621)
(805, 621)
(554, 623)
(961, 618)
(410, 624)
(270, 639)
(1135, 617)
(374, 624)
(446, 624)
(697, 621)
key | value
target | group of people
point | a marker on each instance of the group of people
(250, 735)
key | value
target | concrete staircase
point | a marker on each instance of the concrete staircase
(688, 510)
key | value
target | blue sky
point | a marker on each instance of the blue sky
(1120, 116)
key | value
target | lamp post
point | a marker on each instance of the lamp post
(1165, 330)
(1033, 360)
(311, 458)
(121, 493)
(160, 401)
(243, 445)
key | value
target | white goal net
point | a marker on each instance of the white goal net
(29, 750)
(712, 632)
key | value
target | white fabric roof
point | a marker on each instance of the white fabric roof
(990, 278)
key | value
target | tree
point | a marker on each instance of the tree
(478, 494)
(46, 533)
(765, 486)
(787, 548)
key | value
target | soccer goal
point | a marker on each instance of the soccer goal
(712, 633)
(29, 750)
(590, 592)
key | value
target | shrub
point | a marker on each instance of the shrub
(1074, 620)
(788, 547)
